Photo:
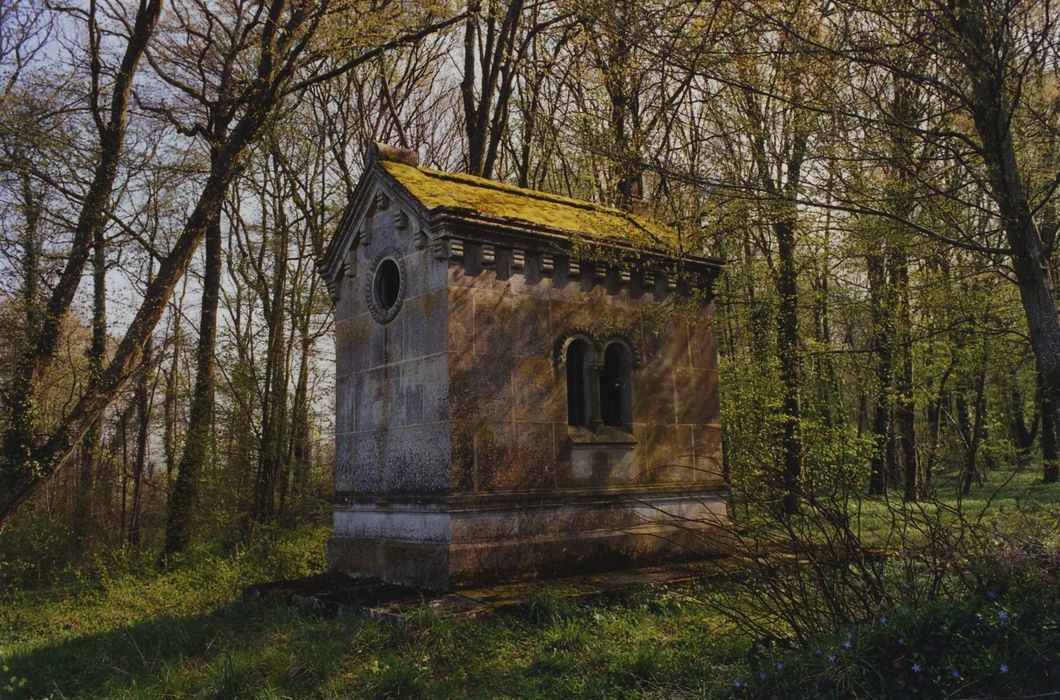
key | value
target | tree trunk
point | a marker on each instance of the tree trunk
(971, 432)
(123, 427)
(200, 418)
(624, 107)
(18, 437)
(300, 425)
(31, 250)
(934, 426)
(528, 132)
(1050, 458)
(992, 116)
(882, 349)
(788, 352)
(1024, 432)
(169, 412)
(486, 119)
(274, 407)
(143, 423)
(904, 406)
(21, 401)
(90, 445)
(829, 396)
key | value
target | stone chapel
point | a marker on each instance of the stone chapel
(527, 384)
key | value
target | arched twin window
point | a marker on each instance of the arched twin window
(579, 355)
(599, 391)
(616, 385)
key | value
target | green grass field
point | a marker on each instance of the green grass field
(187, 632)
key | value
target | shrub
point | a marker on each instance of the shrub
(37, 549)
(1003, 642)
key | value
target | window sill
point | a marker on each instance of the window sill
(606, 435)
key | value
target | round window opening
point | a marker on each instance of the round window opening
(385, 289)
(387, 285)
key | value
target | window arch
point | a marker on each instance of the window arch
(579, 362)
(616, 385)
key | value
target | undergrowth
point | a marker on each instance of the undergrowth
(1004, 643)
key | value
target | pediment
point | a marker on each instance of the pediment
(379, 209)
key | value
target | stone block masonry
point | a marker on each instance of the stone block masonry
(458, 458)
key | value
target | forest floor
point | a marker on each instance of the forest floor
(187, 632)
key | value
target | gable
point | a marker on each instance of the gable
(376, 199)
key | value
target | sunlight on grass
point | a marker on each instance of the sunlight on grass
(185, 631)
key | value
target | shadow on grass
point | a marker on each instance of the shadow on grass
(619, 648)
(239, 650)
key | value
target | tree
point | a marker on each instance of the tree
(973, 59)
(288, 57)
(110, 123)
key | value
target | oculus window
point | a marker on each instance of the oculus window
(387, 286)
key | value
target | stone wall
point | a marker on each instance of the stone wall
(508, 387)
(454, 461)
(392, 378)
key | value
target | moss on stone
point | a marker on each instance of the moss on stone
(436, 189)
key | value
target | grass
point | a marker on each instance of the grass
(1009, 500)
(187, 632)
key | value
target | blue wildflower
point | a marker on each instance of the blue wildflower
(1002, 615)
(916, 668)
(901, 641)
(992, 595)
(831, 658)
(883, 620)
(817, 652)
(779, 666)
(1003, 668)
(739, 682)
(847, 644)
(761, 676)
(955, 673)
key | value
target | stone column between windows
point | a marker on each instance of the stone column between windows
(594, 412)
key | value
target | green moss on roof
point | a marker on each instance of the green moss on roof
(437, 189)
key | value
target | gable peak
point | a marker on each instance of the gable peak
(382, 151)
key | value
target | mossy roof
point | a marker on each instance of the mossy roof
(435, 189)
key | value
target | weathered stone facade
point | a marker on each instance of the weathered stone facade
(456, 460)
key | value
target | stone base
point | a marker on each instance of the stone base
(478, 540)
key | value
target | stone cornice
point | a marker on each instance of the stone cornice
(513, 233)
(542, 499)
(509, 251)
